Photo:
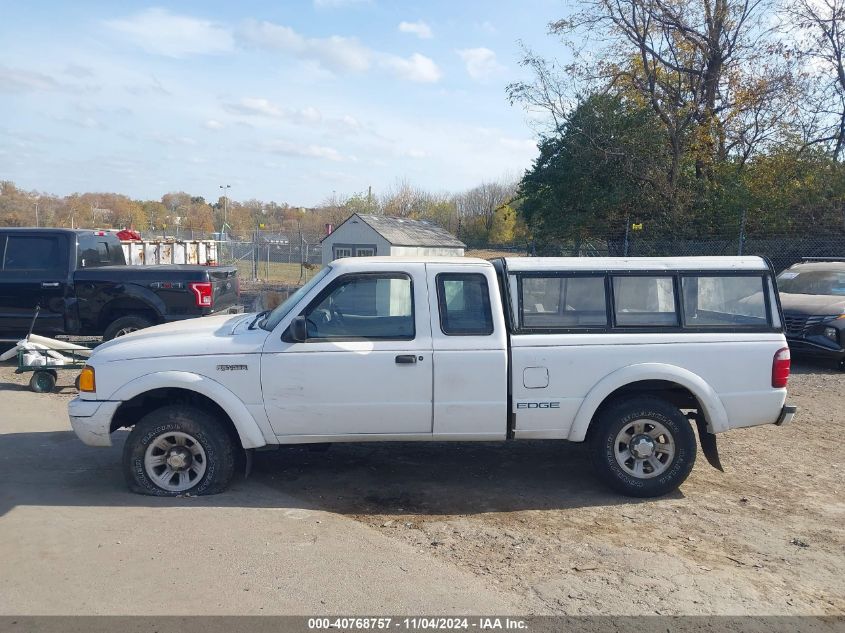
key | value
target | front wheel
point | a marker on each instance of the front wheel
(643, 447)
(178, 450)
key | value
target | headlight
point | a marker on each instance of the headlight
(830, 332)
(86, 380)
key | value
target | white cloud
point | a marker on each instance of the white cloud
(420, 29)
(309, 115)
(18, 80)
(213, 124)
(288, 148)
(335, 52)
(480, 63)
(488, 27)
(417, 68)
(523, 145)
(163, 33)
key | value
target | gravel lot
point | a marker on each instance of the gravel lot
(765, 537)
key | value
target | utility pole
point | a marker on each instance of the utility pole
(225, 189)
(36, 213)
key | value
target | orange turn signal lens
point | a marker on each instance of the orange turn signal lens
(86, 380)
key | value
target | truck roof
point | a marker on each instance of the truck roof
(635, 263)
(52, 229)
(362, 262)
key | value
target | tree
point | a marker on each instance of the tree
(817, 28)
(504, 225)
(600, 169)
(706, 68)
(483, 200)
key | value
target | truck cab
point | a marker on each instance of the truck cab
(623, 354)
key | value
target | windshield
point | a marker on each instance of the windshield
(281, 311)
(813, 282)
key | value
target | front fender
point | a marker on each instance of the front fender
(714, 410)
(249, 430)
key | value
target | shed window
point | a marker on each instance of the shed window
(368, 251)
(342, 251)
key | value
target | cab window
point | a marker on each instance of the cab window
(32, 253)
(378, 307)
(464, 304)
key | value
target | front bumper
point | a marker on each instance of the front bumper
(91, 420)
(786, 414)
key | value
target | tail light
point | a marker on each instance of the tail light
(202, 293)
(780, 368)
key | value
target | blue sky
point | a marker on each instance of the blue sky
(287, 101)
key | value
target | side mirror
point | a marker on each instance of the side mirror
(298, 330)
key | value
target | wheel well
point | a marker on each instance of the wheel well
(673, 393)
(131, 411)
(126, 306)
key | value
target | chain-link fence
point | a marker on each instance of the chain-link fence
(288, 259)
(283, 258)
(782, 250)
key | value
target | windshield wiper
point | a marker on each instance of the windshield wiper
(257, 317)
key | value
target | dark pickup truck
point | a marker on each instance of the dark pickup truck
(80, 281)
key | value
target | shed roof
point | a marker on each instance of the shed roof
(406, 232)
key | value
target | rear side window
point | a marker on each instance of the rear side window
(712, 301)
(94, 252)
(645, 301)
(464, 304)
(561, 302)
(35, 253)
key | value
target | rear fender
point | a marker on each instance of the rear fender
(713, 409)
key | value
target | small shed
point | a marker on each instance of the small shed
(364, 235)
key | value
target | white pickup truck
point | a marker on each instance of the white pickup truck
(623, 354)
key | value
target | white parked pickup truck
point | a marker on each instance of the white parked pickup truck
(623, 354)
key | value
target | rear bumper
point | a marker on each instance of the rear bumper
(91, 420)
(786, 414)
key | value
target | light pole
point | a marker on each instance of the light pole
(225, 189)
(36, 212)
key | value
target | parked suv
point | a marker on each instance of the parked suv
(812, 294)
(622, 354)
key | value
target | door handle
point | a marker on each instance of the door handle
(406, 359)
(49, 284)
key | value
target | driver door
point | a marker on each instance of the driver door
(366, 367)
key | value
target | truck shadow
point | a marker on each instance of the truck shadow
(55, 469)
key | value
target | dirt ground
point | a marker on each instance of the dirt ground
(765, 537)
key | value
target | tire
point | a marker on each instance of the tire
(43, 381)
(125, 325)
(194, 436)
(643, 447)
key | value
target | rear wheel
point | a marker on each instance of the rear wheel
(643, 447)
(178, 450)
(125, 325)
